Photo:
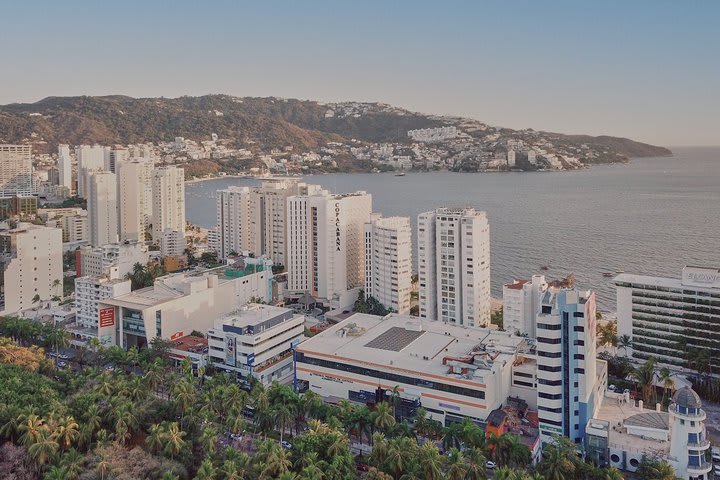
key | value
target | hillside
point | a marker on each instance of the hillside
(258, 123)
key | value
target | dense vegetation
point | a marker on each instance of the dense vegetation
(144, 419)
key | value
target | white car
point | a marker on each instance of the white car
(286, 445)
(612, 388)
(490, 464)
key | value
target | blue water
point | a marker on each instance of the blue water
(651, 216)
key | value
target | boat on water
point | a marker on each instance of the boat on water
(608, 274)
(400, 174)
(545, 268)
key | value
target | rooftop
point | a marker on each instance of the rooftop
(254, 314)
(516, 285)
(406, 343)
(618, 414)
(190, 343)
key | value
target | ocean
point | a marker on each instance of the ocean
(651, 216)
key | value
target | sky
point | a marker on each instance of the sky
(647, 70)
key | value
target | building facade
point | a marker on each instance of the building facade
(454, 266)
(566, 363)
(65, 167)
(135, 198)
(168, 190)
(114, 259)
(89, 292)
(102, 208)
(521, 304)
(31, 261)
(326, 245)
(258, 341)
(666, 317)
(89, 159)
(233, 221)
(16, 171)
(388, 262)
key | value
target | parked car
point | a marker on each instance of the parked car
(612, 388)
(62, 364)
(490, 464)
(362, 466)
(286, 445)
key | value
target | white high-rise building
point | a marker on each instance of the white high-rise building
(76, 228)
(89, 159)
(31, 264)
(521, 304)
(89, 292)
(511, 158)
(114, 157)
(16, 172)
(102, 208)
(168, 190)
(233, 221)
(65, 167)
(567, 380)
(172, 243)
(113, 260)
(135, 198)
(254, 219)
(388, 262)
(326, 245)
(454, 266)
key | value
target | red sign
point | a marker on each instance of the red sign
(176, 335)
(107, 317)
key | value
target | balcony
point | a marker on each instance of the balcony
(701, 444)
(701, 468)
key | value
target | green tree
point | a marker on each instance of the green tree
(383, 418)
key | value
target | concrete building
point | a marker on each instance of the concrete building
(135, 198)
(254, 219)
(76, 228)
(89, 292)
(168, 190)
(114, 259)
(179, 303)
(521, 304)
(569, 388)
(114, 157)
(388, 262)
(65, 167)
(89, 159)
(454, 266)
(102, 208)
(667, 316)
(233, 221)
(452, 372)
(31, 264)
(623, 433)
(173, 243)
(16, 172)
(258, 341)
(326, 245)
(511, 158)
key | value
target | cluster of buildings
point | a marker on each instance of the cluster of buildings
(286, 242)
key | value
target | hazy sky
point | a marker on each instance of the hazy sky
(649, 70)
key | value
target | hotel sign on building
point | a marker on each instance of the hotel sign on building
(701, 277)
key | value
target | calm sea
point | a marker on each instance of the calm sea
(651, 216)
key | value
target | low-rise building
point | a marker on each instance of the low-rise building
(177, 304)
(453, 372)
(118, 257)
(257, 340)
(89, 292)
(190, 347)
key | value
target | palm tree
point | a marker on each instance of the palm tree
(30, 429)
(625, 342)
(154, 376)
(73, 462)
(208, 440)
(43, 449)
(644, 375)
(57, 473)
(383, 417)
(456, 466)
(103, 467)
(174, 442)
(430, 462)
(155, 438)
(66, 432)
(169, 476)
(665, 378)
(93, 419)
(282, 415)
(207, 471)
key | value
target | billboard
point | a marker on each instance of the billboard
(107, 317)
(176, 335)
(230, 355)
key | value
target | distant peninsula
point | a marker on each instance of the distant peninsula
(222, 134)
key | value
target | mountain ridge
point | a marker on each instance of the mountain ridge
(266, 122)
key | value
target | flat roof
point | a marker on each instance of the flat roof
(417, 346)
(189, 343)
(253, 314)
(616, 415)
